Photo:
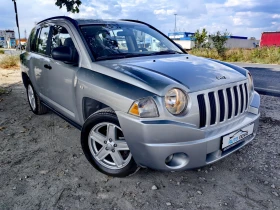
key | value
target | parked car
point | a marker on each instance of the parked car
(22, 46)
(138, 104)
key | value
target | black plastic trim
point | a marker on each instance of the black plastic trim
(60, 17)
(76, 125)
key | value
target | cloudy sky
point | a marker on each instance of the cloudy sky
(239, 17)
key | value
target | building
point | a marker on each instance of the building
(7, 38)
(187, 41)
(22, 41)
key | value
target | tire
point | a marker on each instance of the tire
(103, 144)
(34, 101)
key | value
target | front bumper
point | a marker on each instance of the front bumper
(151, 142)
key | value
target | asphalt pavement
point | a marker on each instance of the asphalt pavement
(266, 77)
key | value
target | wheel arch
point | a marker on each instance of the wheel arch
(25, 79)
(91, 106)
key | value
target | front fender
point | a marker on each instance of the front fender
(110, 91)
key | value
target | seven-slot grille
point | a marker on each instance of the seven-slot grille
(221, 105)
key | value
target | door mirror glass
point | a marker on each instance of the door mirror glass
(63, 53)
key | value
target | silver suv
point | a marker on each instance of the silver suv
(137, 97)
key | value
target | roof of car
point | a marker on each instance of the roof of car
(89, 21)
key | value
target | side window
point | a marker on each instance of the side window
(61, 37)
(42, 41)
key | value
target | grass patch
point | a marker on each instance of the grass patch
(9, 62)
(4, 91)
(265, 55)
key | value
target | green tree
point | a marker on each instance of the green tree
(219, 39)
(71, 5)
(200, 38)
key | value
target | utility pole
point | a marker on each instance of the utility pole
(175, 28)
(15, 5)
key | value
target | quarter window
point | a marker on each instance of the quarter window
(42, 41)
(32, 40)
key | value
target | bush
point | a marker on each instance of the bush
(9, 61)
(219, 40)
(2, 51)
(266, 55)
(200, 38)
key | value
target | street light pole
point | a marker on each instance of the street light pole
(15, 5)
(175, 28)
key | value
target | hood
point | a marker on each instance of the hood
(193, 72)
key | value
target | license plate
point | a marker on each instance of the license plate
(237, 136)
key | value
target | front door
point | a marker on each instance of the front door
(61, 75)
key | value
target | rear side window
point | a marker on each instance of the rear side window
(42, 41)
(32, 40)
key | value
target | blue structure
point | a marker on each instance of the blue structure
(181, 35)
(237, 37)
(12, 42)
(189, 36)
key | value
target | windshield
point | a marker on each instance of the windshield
(114, 41)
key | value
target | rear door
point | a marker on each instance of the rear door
(40, 58)
(61, 77)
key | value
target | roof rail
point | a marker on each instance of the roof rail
(63, 17)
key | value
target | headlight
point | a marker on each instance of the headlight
(250, 83)
(144, 108)
(175, 101)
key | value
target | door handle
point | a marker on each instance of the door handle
(47, 66)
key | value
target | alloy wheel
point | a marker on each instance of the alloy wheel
(108, 146)
(31, 97)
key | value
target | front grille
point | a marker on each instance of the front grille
(222, 104)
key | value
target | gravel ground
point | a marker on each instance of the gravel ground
(43, 167)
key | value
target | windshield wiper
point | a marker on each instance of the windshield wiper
(165, 52)
(109, 57)
(122, 55)
(130, 55)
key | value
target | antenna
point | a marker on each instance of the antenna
(25, 33)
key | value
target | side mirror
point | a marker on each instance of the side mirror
(63, 53)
